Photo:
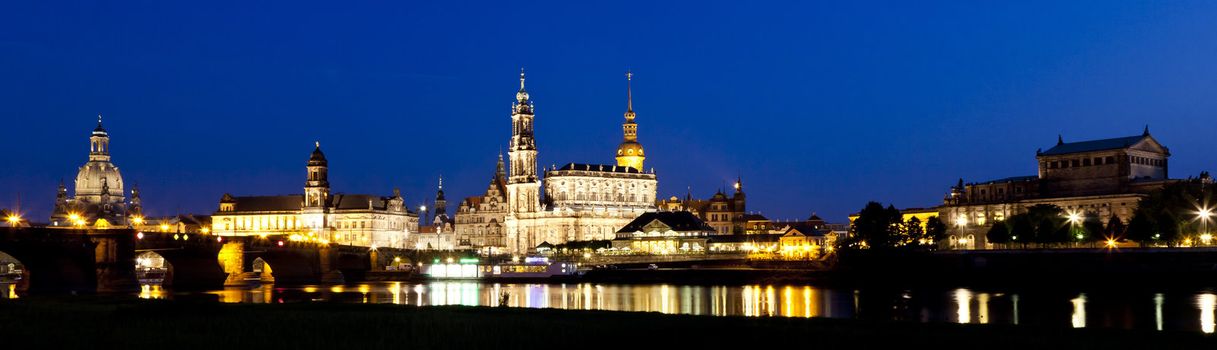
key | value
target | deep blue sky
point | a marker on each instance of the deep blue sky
(820, 106)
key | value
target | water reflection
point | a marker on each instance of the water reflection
(1079, 311)
(1041, 309)
(1206, 302)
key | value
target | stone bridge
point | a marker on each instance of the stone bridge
(58, 260)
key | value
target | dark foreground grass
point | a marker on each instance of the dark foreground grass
(39, 323)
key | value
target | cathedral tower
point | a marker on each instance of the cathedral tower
(523, 186)
(629, 153)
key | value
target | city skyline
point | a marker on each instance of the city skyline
(816, 139)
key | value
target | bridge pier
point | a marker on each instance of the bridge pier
(329, 272)
(114, 260)
(232, 259)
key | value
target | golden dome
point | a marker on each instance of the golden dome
(630, 148)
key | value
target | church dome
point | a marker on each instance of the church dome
(95, 176)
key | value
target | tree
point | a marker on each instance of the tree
(1142, 228)
(1022, 229)
(1092, 228)
(999, 233)
(1115, 229)
(1046, 232)
(914, 231)
(873, 227)
(935, 229)
(1168, 228)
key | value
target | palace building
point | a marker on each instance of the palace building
(318, 215)
(1104, 178)
(577, 202)
(99, 201)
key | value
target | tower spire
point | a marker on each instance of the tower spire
(629, 92)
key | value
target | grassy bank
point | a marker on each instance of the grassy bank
(96, 322)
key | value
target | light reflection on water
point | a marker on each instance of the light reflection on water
(1187, 311)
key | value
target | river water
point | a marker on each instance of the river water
(1190, 310)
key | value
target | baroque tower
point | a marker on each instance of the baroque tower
(629, 153)
(523, 186)
(317, 187)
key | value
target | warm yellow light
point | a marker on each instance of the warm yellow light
(397, 259)
(1074, 217)
(1111, 243)
(1206, 238)
(13, 219)
(164, 227)
(74, 217)
(138, 220)
(963, 241)
(961, 221)
(204, 230)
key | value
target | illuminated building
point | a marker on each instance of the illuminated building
(664, 232)
(724, 214)
(1102, 178)
(318, 215)
(576, 202)
(806, 240)
(99, 201)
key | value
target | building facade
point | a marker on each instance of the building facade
(577, 202)
(1104, 178)
(725, 214)
(319, 215)
(98, 201)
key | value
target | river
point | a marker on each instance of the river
(1189, 310)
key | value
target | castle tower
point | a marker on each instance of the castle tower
(630, 153)
(523, 186)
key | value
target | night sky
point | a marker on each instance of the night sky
(819, 107)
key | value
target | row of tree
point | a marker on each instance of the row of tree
(884, 228)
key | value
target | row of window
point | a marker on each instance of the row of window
(1074, 163)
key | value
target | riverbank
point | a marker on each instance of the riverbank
(131, 323)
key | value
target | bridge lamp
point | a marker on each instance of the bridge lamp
(1111, 243)
(139, 235)
(138, 220)
(74, 217)
(13, 220)
(164, 227)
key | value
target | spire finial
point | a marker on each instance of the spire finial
(1060, 140)
(99, 119)
(629, 91)
(441, 182)
(317, 143)
(1146, 132)
(521, 78)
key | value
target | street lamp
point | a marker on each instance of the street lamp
(1203, 215)
(13, 220)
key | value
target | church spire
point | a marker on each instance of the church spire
(629, 94)
(630, 153)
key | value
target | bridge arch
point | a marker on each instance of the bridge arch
(52, 264)
(14, 277)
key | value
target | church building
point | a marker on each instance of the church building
(576, 202)
(99, 201)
